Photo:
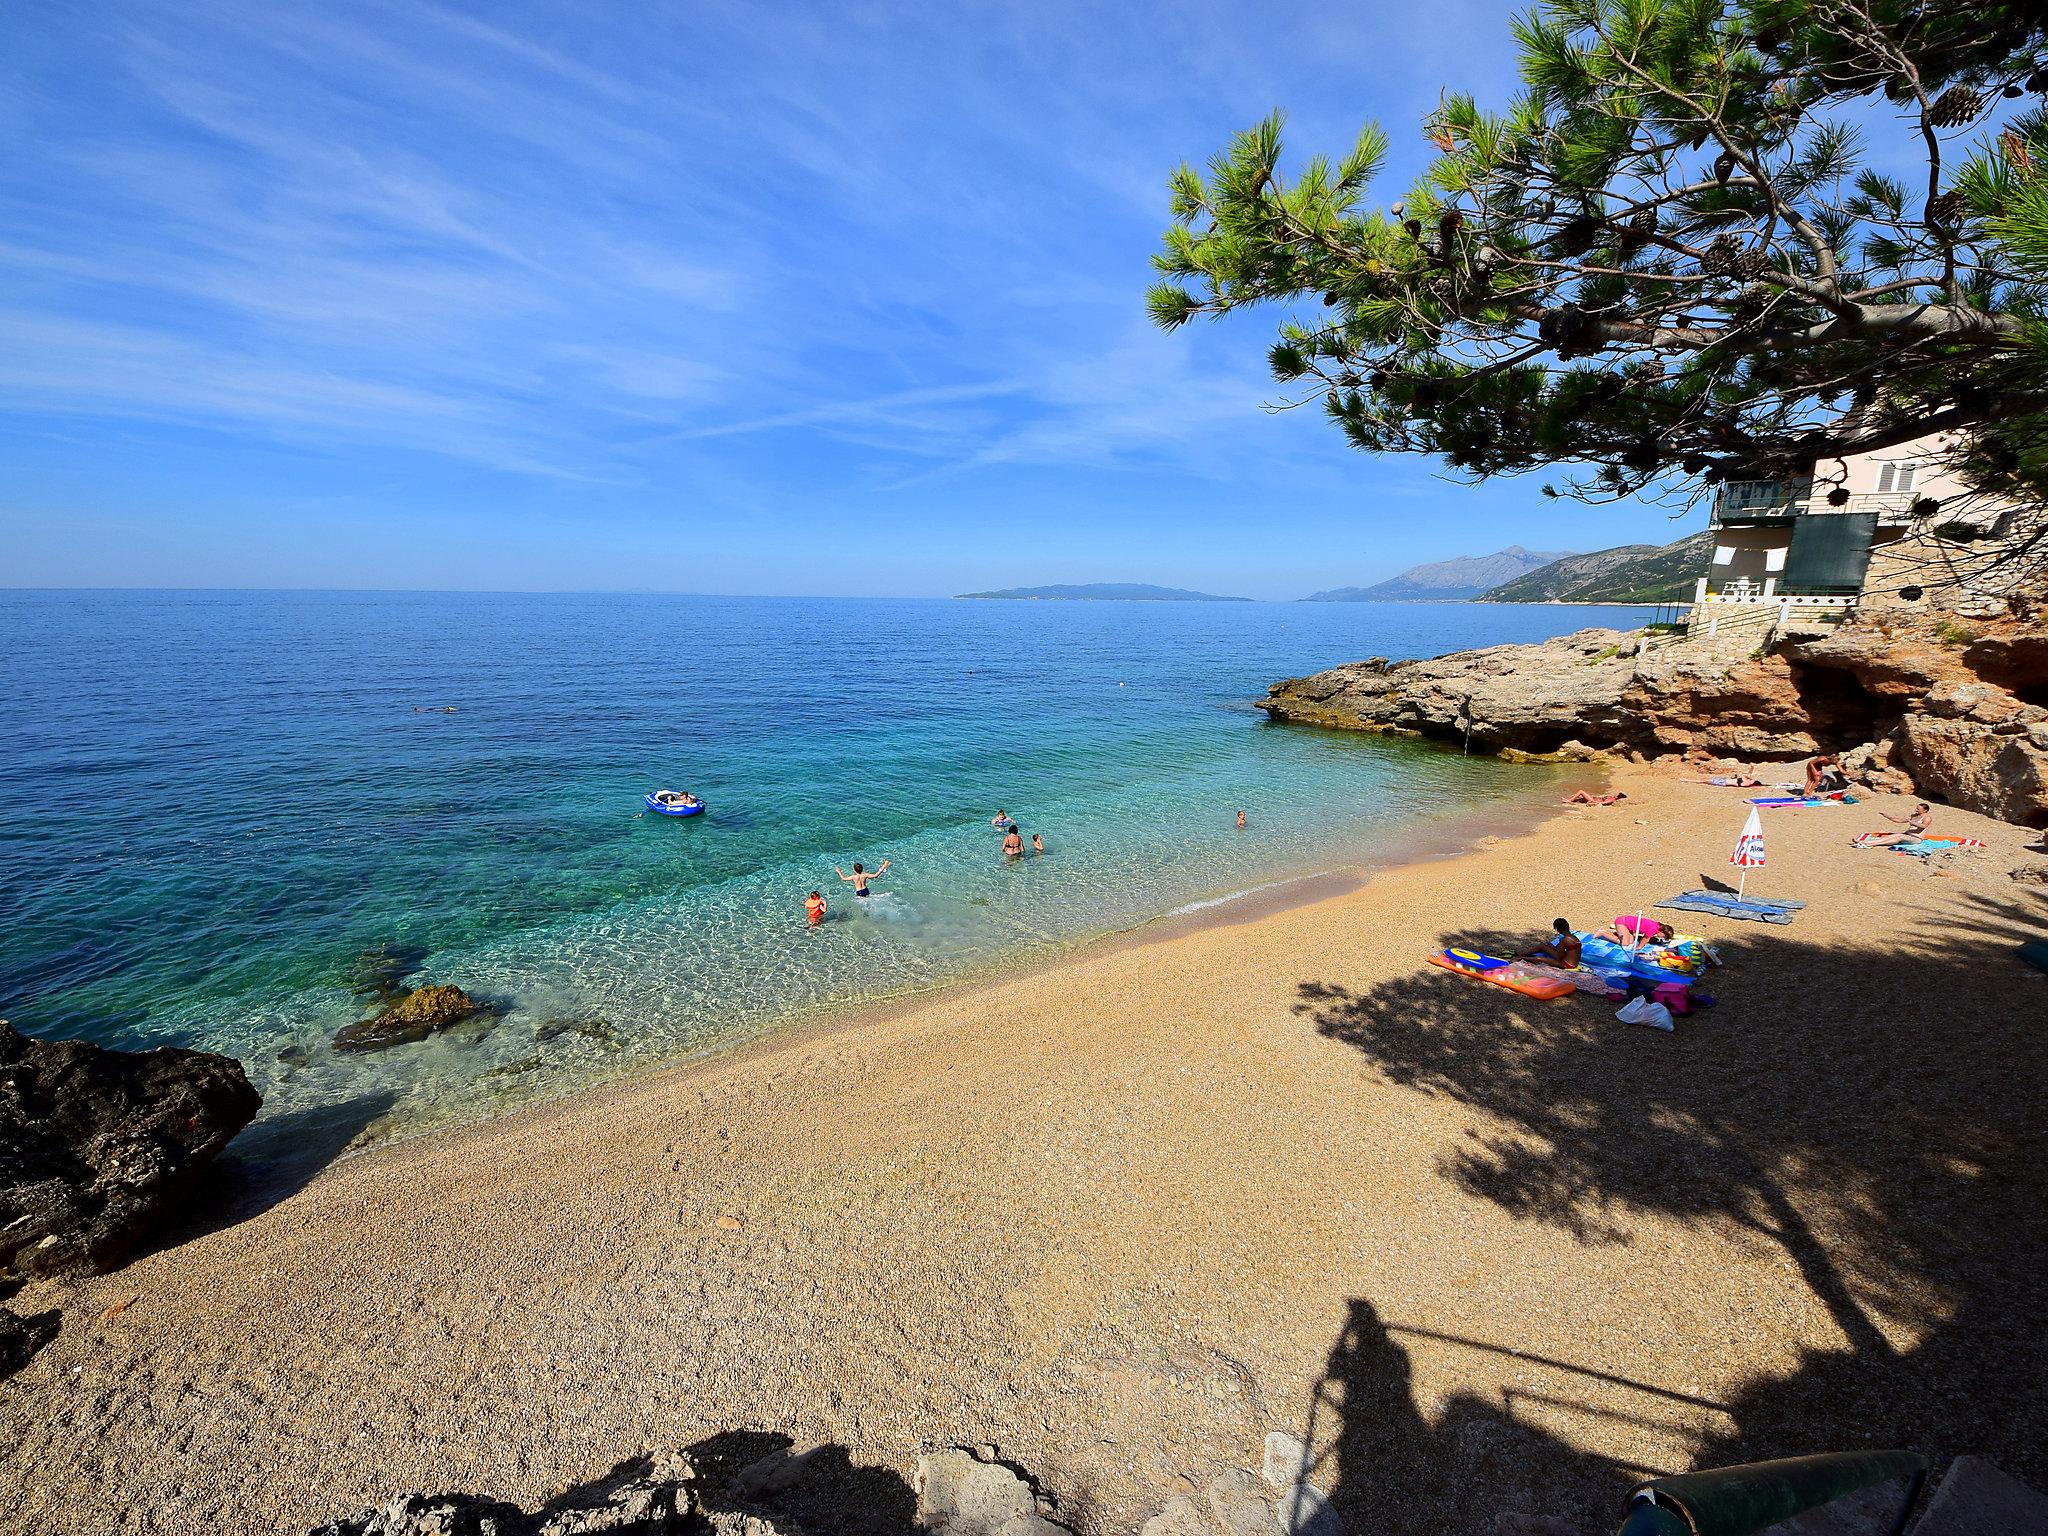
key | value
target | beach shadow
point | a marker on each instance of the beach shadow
(1870, 1113)
(266, 1165)
(829, 1491)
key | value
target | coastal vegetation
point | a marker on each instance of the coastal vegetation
(1684, 253)
(1633, 573)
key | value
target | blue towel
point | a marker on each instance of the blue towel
(1748, 909)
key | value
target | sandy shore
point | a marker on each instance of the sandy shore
(1122, 1216)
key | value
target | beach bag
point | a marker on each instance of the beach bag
(1640, 1010)
(1674, 996)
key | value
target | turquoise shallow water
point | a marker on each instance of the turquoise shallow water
(213, 804)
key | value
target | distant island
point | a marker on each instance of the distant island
(1448, 581)
(1108, 591)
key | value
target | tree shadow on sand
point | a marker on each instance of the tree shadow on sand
(1873, 1114)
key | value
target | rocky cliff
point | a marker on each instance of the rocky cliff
(99, 1146)
(1955, 711)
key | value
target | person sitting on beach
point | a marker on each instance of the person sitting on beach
(1916, 828)
(859, 878)
(1560, 950)
(814, 908)
(1037, 842)
(1587, 797)
(1013, 842)
(1631, 931)
(1001, 820)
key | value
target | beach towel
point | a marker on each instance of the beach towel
(1798, 802)
(1924, 847)
(1751, 909)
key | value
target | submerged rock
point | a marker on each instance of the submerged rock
(99, 1146)
(21, 1337)
(598, 1031)
(414, 1016)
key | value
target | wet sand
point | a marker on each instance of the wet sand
(1123, 1215)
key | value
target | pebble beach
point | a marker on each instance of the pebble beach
(1122, 1215)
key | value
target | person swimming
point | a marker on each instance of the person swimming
(859, 878)
(1001, 821)
(814, 909)
(1013, 842)
(1240, 821)
(1037, 843)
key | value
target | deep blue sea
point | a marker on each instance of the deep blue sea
(221, 811)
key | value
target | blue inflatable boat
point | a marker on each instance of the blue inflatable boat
(661, 807)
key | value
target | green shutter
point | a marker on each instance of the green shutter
(1830, 552)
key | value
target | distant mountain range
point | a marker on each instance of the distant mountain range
(1109, 591)
(1633, 573)
(1448, 581)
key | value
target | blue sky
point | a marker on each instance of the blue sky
(700, 297)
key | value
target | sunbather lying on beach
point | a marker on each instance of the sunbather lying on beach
(1915, 825)
(1587, 797)
(1632, 931)
(1732, 781)
(1560, 950)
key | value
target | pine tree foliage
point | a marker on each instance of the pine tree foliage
(1710, 239)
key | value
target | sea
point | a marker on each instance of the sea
(234, 820)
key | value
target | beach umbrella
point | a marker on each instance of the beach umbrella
(1749, 850)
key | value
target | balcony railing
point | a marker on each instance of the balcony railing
(1746, 502)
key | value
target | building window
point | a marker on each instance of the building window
(1895, 477)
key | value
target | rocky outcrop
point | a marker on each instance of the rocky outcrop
(415, 1015)
(98, 1146)
(1921, 704)
(957, 1493)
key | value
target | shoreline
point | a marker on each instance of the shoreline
(1122, 1215)
(1480, 826)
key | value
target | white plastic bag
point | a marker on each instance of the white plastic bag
(1640, 1010)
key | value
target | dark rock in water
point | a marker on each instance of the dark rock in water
(598, 1030)
(414, 1016)
(99, 1146)
(515, 1068)
(21, 1337)
(380, 973)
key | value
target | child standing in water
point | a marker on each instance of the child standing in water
(1240, 821)
(814, 908)
(859, 878)
(1037, 842)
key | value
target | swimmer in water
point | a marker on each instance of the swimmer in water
(859, 878)
(1240, 821)
(814, 909)
(1037, 843)
(1001, 820)
(1013, 842)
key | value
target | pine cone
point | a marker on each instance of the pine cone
(1955, 106)
(1721, 257)
(1947, 209)
(1753, 264)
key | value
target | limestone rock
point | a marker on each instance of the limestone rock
(1969, 764)
(647, 1496)
(1241, 1504)
(99, 1146)
(960, 1495)
(1285, 1462)
(21, 1337)
(1181, 1516)
(414, 1016)
(1305, 1511)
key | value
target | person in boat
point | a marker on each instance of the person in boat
(1915, 824)
(1013, 842)
(814, 908)
(676, 797)
(860, 877)
(1561, 949)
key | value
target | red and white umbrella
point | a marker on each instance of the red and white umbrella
(1749, 849)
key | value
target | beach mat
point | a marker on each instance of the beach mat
(1745, 909)
(1794, 802)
